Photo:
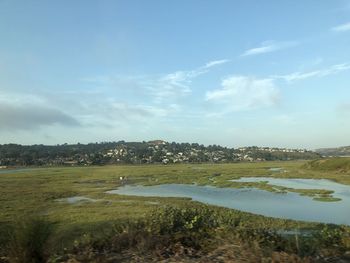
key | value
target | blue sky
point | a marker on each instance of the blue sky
(235, 73)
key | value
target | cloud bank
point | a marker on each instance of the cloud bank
(29, 117)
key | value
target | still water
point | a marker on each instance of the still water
(289, 205)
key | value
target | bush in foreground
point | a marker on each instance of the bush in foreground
(28, 241)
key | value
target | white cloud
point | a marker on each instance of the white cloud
(140, 98)
(215, 63)
(299, 75)
(342, 27)
(172, 85)
(269, 46)
(334, 69)
(162, 88)
(178, 83)
(244, 93)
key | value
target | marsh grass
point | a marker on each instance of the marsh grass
(337, 164)
(34, 192)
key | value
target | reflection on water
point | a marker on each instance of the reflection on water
(289, 205)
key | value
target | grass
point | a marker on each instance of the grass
(338, 164)
(35, 192)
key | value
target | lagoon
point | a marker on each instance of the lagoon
(288, 205)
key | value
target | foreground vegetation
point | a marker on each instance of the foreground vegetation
(187, 233)
(117, 228)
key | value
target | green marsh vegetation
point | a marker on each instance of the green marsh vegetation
(128, 222)
(337, 164)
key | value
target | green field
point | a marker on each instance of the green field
(38, 192)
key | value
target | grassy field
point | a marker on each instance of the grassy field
(38, 192)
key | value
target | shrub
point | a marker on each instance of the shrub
(170, 220)
(28, 241)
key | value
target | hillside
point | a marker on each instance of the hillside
(156, 151)
(338, 164)
(339, 151)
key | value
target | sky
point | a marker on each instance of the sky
(234, 73)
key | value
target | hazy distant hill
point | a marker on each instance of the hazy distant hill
(340, 151)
